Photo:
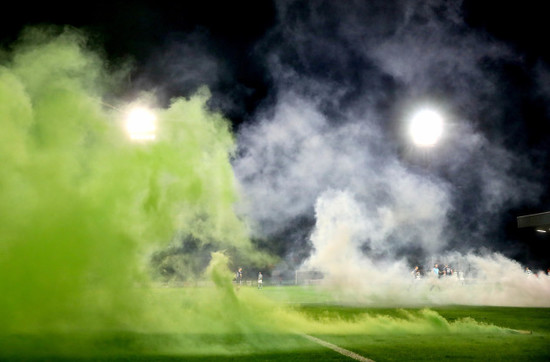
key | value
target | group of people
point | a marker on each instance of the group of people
(445, 271)
(239, 278)
(530, 272)
(436, 271)
(448, 271)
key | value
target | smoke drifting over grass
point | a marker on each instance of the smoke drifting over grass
(355, 276)
(83, 208)
(332, 146)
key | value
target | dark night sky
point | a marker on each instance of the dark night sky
(140, 29)
(251, 52)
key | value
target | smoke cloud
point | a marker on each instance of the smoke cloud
(82, 206)
(356, 276)
(83, 209)
(346, 83)
(332, 147)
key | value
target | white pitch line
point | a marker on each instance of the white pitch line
(335, 348)
(521, 331)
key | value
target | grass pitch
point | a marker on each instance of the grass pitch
(524, 336)
(527, 340)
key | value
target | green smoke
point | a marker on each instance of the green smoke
(81, 206)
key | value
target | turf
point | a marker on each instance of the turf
(510, 345)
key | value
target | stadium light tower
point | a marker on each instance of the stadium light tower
(141, 124)
(426, 127)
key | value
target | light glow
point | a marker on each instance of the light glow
(140, 124)
(426, 127)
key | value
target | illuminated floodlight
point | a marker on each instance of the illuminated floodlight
(541, 230)
(140, 124)
(426, 127)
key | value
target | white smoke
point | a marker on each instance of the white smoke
(292, 158)
(343, 226)
(343, 90)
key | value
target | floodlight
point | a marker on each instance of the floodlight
(426, 127)
(140, 124)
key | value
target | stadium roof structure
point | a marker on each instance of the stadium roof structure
(541, 221)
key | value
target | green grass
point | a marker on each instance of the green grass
(512, 346)
(140, 347)
(399, 343)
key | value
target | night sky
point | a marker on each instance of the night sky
(318, 91)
